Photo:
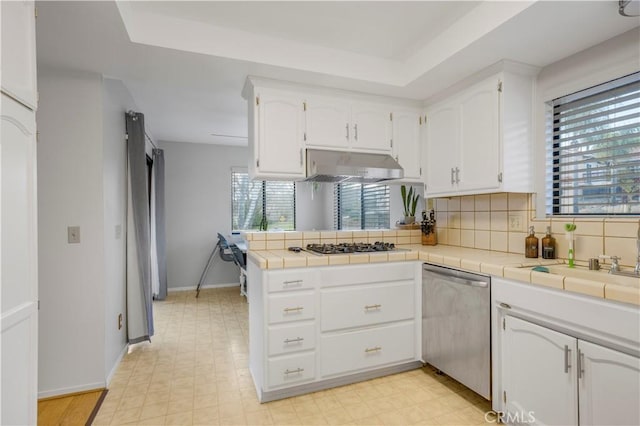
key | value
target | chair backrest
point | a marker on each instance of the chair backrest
(226, 252)
(238, 257)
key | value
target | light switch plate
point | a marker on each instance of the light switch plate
(515, 222)
(73, 235)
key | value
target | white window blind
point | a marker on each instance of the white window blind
(593, 150)
(256, 203)
(361, 206)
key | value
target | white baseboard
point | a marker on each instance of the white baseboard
(117, 364)
(191, 288)
(71, 389)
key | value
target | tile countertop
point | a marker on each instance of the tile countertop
(498, 264)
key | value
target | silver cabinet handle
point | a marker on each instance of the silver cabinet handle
(376, 306)
(580, 364)
(296, 309)
(291, 283)
(457, 175)
(301, 161)
(355, 131)
(347, 127)
(457, 280)
(567, 355)
(296, 340)
(374, 349)
(296, 371)
(452, 176)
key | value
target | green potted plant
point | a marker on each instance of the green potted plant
(409, 202)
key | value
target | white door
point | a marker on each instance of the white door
(539, 374)
(406, 142)
(371, 127)
(609, 386)
(327, 122)
(280, 134)
(479, 137)
(19, 51)
(443, 138)
(19, 267)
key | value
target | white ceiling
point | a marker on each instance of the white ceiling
(185, 62)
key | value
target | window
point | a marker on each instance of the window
(250, 199)
(593, 150)
(361, 206)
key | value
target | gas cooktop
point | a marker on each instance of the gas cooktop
(345, 248)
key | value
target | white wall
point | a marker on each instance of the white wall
(116, 100)
(198, 206)
(606, 61)
(70, 192)
(81, 179)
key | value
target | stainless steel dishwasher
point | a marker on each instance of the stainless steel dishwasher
(456, 325)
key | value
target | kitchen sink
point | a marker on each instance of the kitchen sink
(583, 272)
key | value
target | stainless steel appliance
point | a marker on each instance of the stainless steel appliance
(341, 166)
(456, 325)
(345, 248)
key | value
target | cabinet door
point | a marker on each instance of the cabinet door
(19, 51)
(371, 127)
(538, 373)
(19, 272)
(327, 122)
(443, 138)
(479, 137)
(406, 142)
(279, 134)
(609, 386)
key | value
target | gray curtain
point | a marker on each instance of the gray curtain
(161, 253)
(139, 298)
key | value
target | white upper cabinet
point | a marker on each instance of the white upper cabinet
(328, 122)
(19, 51)
(407, 126)
(337, 123)
(371, 126)
(276, 132)
(442, 146)
(479, 139)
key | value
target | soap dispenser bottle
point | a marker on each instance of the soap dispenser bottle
(548, 245)
(531, 244)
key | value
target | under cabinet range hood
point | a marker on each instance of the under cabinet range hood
(339, 166)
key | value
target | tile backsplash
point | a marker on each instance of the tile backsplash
(500, 222)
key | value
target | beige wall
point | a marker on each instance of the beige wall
(500, 222)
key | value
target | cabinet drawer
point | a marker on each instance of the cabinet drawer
(291, 307)
(369, 348)
(291, 338)
(359, 306)
(291, 369)
(290, 280)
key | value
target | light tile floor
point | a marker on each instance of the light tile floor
(195, 372)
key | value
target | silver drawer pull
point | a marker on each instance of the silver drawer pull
(293, 282)
(296, 371)
(296, 309)
(376, 306)
(374, 349)
(296, 340)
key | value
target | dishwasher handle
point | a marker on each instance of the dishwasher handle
(463, 281)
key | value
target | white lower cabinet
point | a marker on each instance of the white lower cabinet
(609, 386)
(291, 369)
(539, 375)
(552, 378)
(311, 325)
(361, 349)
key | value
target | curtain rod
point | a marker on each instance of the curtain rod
(133, 113)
